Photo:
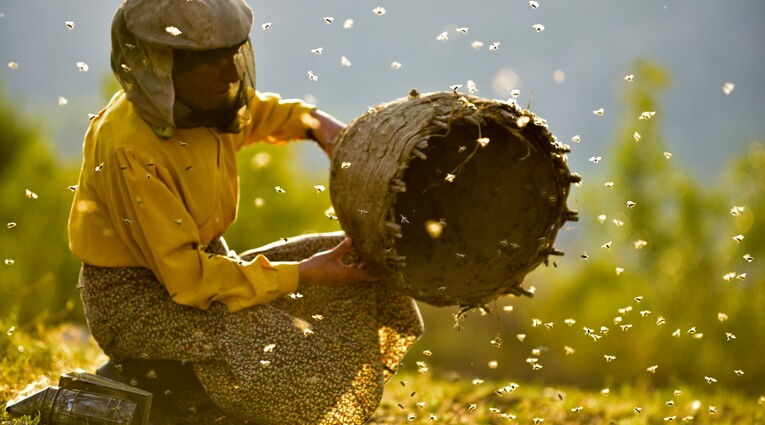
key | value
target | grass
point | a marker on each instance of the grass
(417, 398)
(34, 358)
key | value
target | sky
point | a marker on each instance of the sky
(575, 65)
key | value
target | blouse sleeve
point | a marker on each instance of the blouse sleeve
(151, 219)
(276, 120)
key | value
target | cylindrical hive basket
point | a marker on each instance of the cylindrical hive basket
(450, 197)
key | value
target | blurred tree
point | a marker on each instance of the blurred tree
(744, 298)
(14, 132)
(38, 275)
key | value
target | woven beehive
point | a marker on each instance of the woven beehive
(450, 197)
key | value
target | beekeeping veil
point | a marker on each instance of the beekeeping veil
(145, 35)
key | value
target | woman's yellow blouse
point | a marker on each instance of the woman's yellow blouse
(151, 202)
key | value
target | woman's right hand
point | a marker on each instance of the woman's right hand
(326, 268)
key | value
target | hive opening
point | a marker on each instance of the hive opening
(465, 236)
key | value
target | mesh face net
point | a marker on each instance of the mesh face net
(232, 113)
(145, 67)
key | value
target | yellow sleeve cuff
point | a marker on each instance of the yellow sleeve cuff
(266, 280)
(288, 276)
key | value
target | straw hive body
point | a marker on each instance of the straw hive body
(449, 197)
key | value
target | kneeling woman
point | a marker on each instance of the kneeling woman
(215, 335)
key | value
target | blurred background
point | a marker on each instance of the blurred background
(667, 293)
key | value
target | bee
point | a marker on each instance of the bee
(174, 31)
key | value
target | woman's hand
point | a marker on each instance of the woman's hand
(326, 268)
(326, 130)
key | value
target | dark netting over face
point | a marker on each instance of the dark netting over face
(186, 60)
(215, 69)
(143, 50)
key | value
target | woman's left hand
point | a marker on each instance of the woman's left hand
(327, 268)
(327, 130)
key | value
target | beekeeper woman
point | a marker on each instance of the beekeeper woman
(288, 334)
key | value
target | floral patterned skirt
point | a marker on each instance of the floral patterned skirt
(319, 356)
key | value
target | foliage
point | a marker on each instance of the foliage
(38, 274)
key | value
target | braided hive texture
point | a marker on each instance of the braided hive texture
(452, 198)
